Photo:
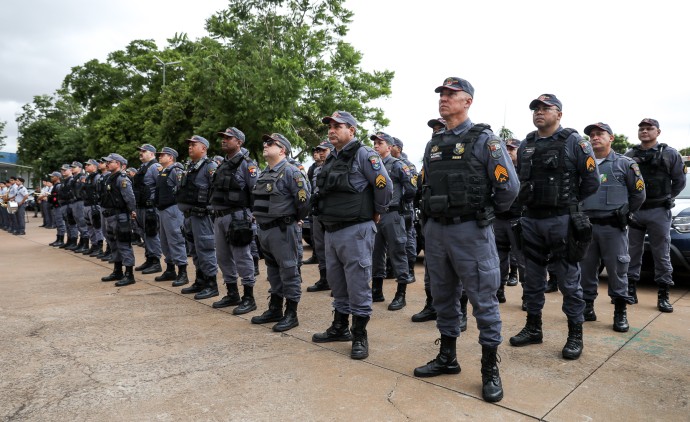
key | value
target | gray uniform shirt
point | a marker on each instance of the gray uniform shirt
(627, 173)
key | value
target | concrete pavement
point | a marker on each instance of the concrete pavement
(75, 349)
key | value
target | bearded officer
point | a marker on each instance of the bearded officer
(354, 190)
(119, 208)
(620, 194)
(281, 199)
(232, 185)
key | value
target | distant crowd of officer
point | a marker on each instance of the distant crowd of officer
(554, 202)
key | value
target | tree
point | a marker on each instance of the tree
(620, 143)
(505, 133)
(2, 137)
(684, 152)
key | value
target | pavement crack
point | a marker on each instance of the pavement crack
(16, 413)
(391, 395)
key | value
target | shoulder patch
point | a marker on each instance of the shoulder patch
(586, 146)
(636, 169)
(501, 174)
(413, 180)
(299, 179)
(380, 181)
(590, 164)
(302, 195)
(252, 171)
(375, 161)
(494, 146)
(639, 185)
(406, 169)
(124, 183)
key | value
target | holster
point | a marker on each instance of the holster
(485, 217)
(579, 236)
(622, 216)
(516, 227)
(96, 218)
(240, 232)
(151, 223)
(124, 230)
(70, 216)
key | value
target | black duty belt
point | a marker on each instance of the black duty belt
(447, 221)
(605, 221)
(196, 212)
(109, 212)
(334, 227)
(547, 213)
(649, 206)
(278, 222)
(227, 211)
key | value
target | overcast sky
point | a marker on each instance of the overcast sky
(610, 61)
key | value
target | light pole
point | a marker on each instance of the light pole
(162, 63)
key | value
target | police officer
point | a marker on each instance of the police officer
(193, 199)
(321, 152)
(467, 173)
(92, 208)
(318, 162)
(119, 207)
(21, 195)
(621, 193)
(103, 255)
(281, 199)
(55, 204)
(144, 185)
(557, 170)
(77, 207)
(232, 185)
(10, 196)
(66, 196)
(354, 190)
(171, 218)
(4, 215)
(506, 243)
(391, 236)
(408, 211)
(664, 175)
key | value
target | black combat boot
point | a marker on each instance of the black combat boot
(620, 316)
(155, 266)
(574, 344)
(169, 274)
(274, 312)
(89, 249)
(377, 289)
(512, 277)
(181, 279)
(289, 319)
(59, 241)
(83, 245)
(117, 273)
(76, 242)
(149, 261)
(107, 254)
(256, 265)
(463, 307)
(551, 283)
(71, 243)
(312, 260)
(248, 303)
(338, 331)
(531, 334)
(399, 299)
(198, 285)
(663, 303)
(231, 299)
(210, 288)
(446, 361)
(412, 276)
(128, 278)
(492, 389)
(360, 343)
(321, 284)
(428, 313)
(589, 314)
(97, 249)
(501, 292)
(632, 290)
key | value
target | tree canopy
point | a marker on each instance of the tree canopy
(265, 66)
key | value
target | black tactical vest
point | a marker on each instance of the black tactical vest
(337, 200)
(142, 193)
(54, 195)
(396, 201)
(89, 191)
(613, 191)
(101, 185)
(548, 179)
(269, 201)
(657, 179)
(226, 191)
(190, 193)
(166, 187)
(112, 199)
(65, 195)
(78, 187)
(456, 182)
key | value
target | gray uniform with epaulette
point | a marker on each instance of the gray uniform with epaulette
(567, 174)
(409, 213)
(77, 206)
(346, 205)
(467, 177)
(281, 198)
(147, 215)
(233, 182)
(621, 193)
(171, 218)
(92, 207)
(193, 199)
(391, 236)
(664, 176)
(118, 204)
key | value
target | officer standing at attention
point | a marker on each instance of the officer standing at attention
(144, 184)
(58, 216)
(118, 209)
(66, 196)
(557, 171)
(664, 176)
(321, 151)
(354, 190)
(92, 208)
(77, 207)
(171, 218)
(408, 211)
(103, 255)
(467, 174)
(281, 199)
(391, 236)
(620, 194)
(21, 195)
(193, 199)
(232, 185)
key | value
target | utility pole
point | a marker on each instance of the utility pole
(164, 64)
